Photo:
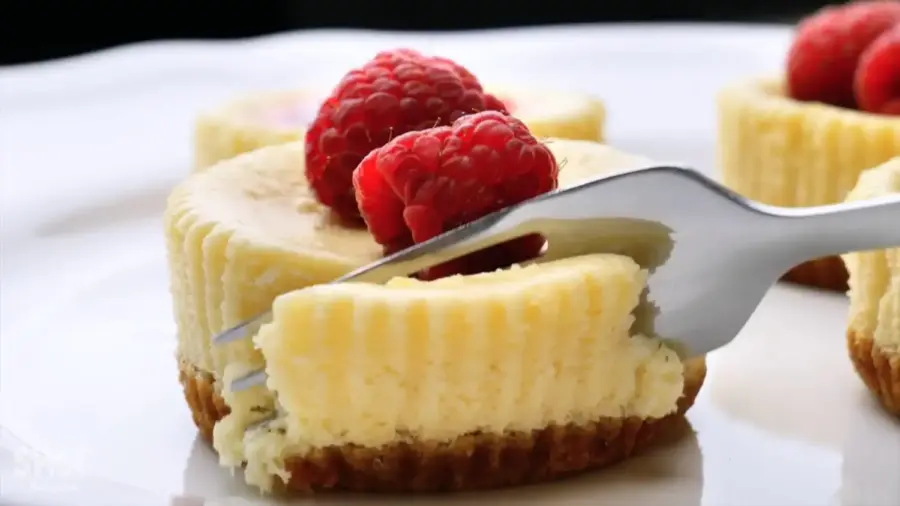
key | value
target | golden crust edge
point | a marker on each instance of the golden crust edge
(828, 273)
(878, 368)
(470, 462)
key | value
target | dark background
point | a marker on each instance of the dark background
(33, 30)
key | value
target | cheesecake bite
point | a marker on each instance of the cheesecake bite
(873, 336)
(803, 139)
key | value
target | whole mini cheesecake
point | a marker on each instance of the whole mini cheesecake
(268, 118)
(488, 370)
(804, 138)
(465, 382)
(873, 336)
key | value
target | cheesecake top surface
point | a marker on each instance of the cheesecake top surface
(263, 197)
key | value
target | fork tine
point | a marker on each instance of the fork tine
(249, 380)
(242, 330)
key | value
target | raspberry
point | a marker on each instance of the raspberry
(877, 82)
(827, 48)
(425, 183)
(396, 92)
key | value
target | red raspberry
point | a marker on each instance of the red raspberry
(424, 183)
(394, 93)
(877, 82)
(827, 48)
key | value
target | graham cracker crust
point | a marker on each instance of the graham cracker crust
(878, 368)
(828, 273)
(470, 462)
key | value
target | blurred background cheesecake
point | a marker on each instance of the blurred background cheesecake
(263, 119)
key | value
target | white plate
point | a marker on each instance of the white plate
(90, 409)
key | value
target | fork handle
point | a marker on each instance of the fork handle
(840, 228)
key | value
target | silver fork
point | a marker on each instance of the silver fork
(712, 254)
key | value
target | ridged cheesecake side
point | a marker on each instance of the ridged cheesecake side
(873, 334)
(237, 241)
(271, 118)
(240, 235)
(788, 153)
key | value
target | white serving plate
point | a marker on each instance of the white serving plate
(91, 412)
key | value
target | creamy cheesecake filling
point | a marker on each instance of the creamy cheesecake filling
(875, 275)
(253, 230)
(509, 351)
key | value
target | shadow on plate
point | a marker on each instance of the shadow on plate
(788, 373)
(670, 474)
(872, 443)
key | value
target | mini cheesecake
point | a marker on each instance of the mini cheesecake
(468, 382)
(873, 336)
(266, 119)
(785, 152)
